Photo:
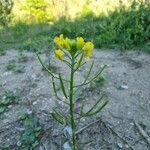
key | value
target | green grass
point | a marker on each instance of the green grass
(122, 29)
(22, 58)
(29, 138)
(8, 98)
(14, 67)
(2, 52)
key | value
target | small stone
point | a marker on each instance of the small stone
(120, 145)
(35, 102)
(132, 124)
(123, 87)
(67, 131)
(126, 146)
(129, 113)
(67, 146)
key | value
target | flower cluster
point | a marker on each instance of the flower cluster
(72, 46)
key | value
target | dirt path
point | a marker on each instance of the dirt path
(127, 87)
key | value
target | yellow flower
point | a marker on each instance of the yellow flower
(67, 44)
(87, 49)
(59, 40)
(80, 42)
(59, 54)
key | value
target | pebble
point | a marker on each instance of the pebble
(67, 131)
(67, 146)
(123, 87)
(35, 102)
(132, 124)
(127, 146)
(119, 145)
(129, 113)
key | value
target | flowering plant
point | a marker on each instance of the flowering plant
(74, 53)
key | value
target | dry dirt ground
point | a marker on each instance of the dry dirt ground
(127, 86)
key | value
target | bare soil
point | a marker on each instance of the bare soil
(127, 87)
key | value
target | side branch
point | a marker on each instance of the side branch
(92, 78)
(46, 69)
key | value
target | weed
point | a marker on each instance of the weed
(2, 52)
(19, 68)
(30, 136)
(22, 58)
(77, 53)
(8, 98)
(10, 66)
(16, 68)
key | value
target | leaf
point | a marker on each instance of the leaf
(54, 86)
(2, 109)
(79, 63)
(80, 60)
(38, 129)
(62, 86)
(31, 121)
(22, 115)
(46, 69)
(96, 108)
(89, 72)
(58, 117)
(5, 101)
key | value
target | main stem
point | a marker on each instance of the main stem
(71, 98)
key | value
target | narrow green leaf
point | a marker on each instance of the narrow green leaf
(95, 105)
(89, 72)
(58, 117)
(55, 91)
(101, 70)
(67, 63)
(44, 66)
(98, 73)
(79, 63)
(95, 111)
(2, 109)
(54, 87)
(62, 86)
(80, 60)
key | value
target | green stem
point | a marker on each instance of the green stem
(71, 98)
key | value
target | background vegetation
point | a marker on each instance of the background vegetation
(114, 24)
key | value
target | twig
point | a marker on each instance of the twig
(142, 132)
(109, 128)
(90, 124)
